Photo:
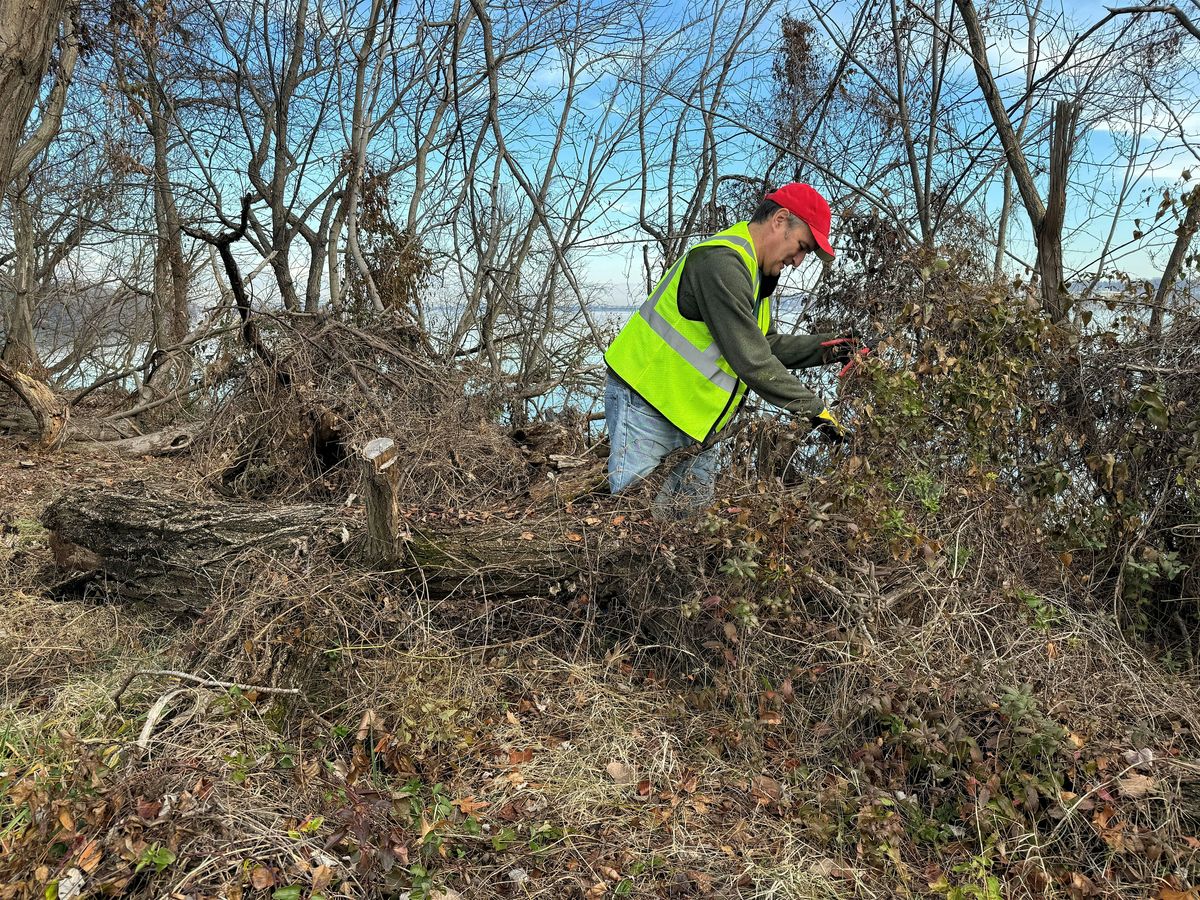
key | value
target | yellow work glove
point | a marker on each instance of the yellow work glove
(829, 428)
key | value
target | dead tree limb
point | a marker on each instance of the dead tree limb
(49, 411)
(223, 242)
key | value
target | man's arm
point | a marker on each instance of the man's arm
(798, 351)
(715, 288)
(795, 351)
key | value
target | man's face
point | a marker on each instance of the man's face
(791, 240)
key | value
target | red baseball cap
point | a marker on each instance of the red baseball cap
(806, 204)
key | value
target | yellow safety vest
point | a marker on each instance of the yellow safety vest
(673, 362)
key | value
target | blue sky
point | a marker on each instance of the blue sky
(1102, 168)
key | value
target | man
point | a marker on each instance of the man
(680, 368)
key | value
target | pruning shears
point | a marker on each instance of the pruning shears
(855, 348)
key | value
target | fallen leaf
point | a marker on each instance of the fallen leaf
(1081, 885)
(262, 878)
(621, 773)
(321, 877)
(574, 536)
(468, 806)
(89, 856)
(765, 789)
(1142, 759)
(527, 535)
(149, 809)
(1137, 785)
(1169, 893)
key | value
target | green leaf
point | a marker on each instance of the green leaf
(504, 839)
(291, 892)
(313, 825)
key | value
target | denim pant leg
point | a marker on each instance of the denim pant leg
(691, 485)
(639, 436)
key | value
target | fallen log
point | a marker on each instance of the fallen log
(175, 439)
(171, 552)
(110, 437)
(175, 552)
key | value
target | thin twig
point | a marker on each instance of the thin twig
(196, 679)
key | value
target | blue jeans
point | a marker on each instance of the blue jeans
(639, 438)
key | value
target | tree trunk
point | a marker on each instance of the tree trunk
(1183, 240)
(169, 305)
(1046, 218)
(50, 412)
(28, 29)
(20, 349)
(1055, 297)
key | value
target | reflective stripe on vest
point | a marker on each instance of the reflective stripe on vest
(661, 355)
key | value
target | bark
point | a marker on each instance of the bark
(49, 410)
(20, 348)
(171, 553)
(28, 29)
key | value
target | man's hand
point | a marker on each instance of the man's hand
(829, 428)
(847, 350)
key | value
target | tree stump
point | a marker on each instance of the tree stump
(380, 476)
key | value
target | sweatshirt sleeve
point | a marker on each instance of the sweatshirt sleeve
(795, 351)
(717, 288)
(798, 351)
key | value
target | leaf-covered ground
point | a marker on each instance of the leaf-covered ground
(880, 740)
